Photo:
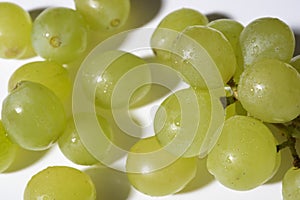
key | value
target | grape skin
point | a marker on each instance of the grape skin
(291, 185)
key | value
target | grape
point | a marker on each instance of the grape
(177, 21)
(33, 116)
(267, 37)
(195, 46)
(235, 108)
(164, 181)
(245, 155)
(117, 73)
(47, 73)
(291, 185)
(270, 91)
(15, 29)
(59, 34)
(71, 146)
(104, 15)
(7, 150)
(295, 62)
(182, 133)
(60, 183)
(231, 30)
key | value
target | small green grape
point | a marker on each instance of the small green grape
(7, 150)
(291, 185)
(33, 116)
(295, 62)
(59, 34)
(245, 154)
(270, 91)
(15, 30)
(60, 183)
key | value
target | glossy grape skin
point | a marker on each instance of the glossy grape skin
(291, 185)
(169, 122)
(176, 21)
(59, 34)
(104, 15)
(245, 155)
(33, 116)
(7, 150)
(187, 49)
(267, 37)
(15, 29)
(60, 183)
(165, 181)
(113, 66)
(50, 74)
(270, 91)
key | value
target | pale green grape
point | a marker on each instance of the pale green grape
(291, 184)
(267, 37)
(33, 116)
(270, 91)
(245, 155)
(71, 146)
(7, 150)
(235, 108)
(215, 45)
(104, 15)
(231, 30)
(176, 21)
(190, 130)
(15, 29)
(118, 73)
(59, 34)
(164, 181)
(47, 73)
(60, 183)
(295, 62)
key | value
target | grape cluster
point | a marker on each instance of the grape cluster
(242, 80)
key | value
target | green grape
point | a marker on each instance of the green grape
(190, 130)
(15, 29)
(60, 183)
(118, 73)
(178, 20)
(267, 37)
(59, 34)
(235, 108)
(231, 30)
(33, 116)
(189, 61)
(270, 90)
(245, 154)
(71, 146)
(167, 180)
(47, 73)
(295, 62)
(104, 15)
(7, 150)
(291, 184)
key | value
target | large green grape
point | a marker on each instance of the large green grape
(33, 116)
(267, 37)
(192, 48)
(118, 74)
(59, 34)
(15, 30)
(104, 15)
(7, 150)
(163, 181)
(60, 183)
(183, 133)
(163, 40)
(291, 184)
(245, 155)
(270, 91)
(47, 73)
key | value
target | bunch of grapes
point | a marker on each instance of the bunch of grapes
(242, 93)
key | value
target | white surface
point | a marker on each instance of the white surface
(114, 186)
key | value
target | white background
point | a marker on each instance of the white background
(112, 185)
